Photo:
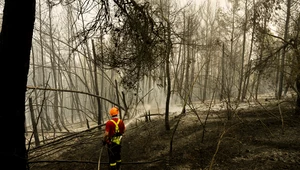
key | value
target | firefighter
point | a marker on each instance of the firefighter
(114, 129)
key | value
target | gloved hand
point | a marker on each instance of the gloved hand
(104, 142)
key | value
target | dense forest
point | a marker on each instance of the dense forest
(146, 57)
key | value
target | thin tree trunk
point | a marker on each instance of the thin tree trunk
(169, 47)
(54, 69)
(260, 58)
(232, 60)
(118, 98)
(102, 76)
(34, 124)
(177, 71)
(247, 76)
(188, 62)
(167, 62)
(282, 62)
(43, 122)
(207, 67)
(183, 61)
(192, 79)
(240, 90)
(99, 115)
(62, 116)
(223, 73)
(75, 101)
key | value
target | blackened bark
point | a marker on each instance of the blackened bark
(297, 108)
(15, 45)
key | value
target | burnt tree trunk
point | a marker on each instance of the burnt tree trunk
(15, 46)
(297, 106)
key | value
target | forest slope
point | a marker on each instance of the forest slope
(257, 138)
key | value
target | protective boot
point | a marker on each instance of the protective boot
(118, 167)
(113, 168)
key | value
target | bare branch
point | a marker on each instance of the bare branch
(74, 91)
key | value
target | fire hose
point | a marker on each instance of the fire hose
(99, 160)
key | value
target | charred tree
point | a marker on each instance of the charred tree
(15, 46)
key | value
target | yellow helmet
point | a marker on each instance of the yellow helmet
(114, 111)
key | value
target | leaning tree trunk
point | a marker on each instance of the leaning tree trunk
(15, 45)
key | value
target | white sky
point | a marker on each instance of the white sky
(222, 3)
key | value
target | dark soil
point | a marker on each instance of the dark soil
(257, 138)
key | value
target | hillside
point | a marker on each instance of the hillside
(262, 138)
